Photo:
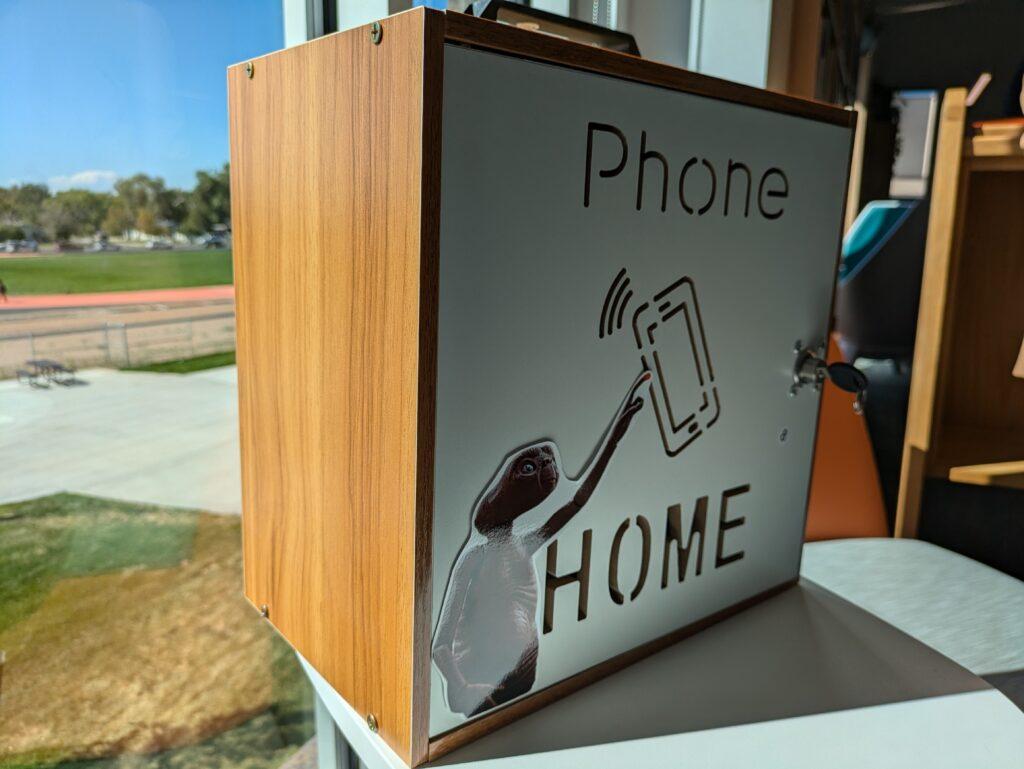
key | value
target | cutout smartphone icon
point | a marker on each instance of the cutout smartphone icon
(673, 347)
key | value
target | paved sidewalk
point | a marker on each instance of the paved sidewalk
(109, 298)
(162, 438)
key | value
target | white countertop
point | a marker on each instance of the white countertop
(804, 679)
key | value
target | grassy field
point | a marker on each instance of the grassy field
(115, 271)
(129, 645)
(188, 365)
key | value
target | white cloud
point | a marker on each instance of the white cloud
(90, 180)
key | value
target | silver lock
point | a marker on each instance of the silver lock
(810, 369)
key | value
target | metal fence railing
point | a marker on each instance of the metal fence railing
(121, 344)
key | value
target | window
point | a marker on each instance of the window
(123, 630)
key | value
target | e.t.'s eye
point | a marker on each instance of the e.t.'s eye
(527, 467)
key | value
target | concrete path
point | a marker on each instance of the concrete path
(163, 438)
(108, 298)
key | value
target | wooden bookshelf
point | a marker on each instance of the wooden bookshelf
(966, 414)
(1009, 474)
(1000, 153)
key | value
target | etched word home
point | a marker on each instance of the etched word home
(516, 320)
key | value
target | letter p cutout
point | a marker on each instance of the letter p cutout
(603, 172)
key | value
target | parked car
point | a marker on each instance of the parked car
(159, 244)
(65, 246)
(213, 240)
(103, 245)
(14, 246)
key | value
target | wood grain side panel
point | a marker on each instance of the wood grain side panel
(482, 33)
(931, 318)
(327, 164)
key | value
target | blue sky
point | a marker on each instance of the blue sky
(95, 89)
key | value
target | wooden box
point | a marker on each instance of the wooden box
(516, 327)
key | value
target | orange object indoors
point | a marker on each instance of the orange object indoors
(846, 498)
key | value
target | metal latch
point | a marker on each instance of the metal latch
(811, 369)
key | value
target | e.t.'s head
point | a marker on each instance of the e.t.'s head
(526, 481)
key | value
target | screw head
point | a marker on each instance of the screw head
(250, 69)
(783, 435)
(264, 611)
(376, 33)
(371, 722)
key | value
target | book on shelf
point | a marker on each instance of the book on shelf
(1010, 126)
(1006, 144)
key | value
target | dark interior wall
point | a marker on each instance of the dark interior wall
(938, 49)
(950, 47)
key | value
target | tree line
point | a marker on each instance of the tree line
(141, 203)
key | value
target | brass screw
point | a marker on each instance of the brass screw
(264, 611)
(371, 721)
(250, 69)
(376, 32)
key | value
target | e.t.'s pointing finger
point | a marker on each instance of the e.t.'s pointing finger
(640, 381)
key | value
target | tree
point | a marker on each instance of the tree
(74, 212)
(209, 203)
(11, 232)
(176, 206)
(146, 202)
(145, 221)
(6, 206)
(118, 219)
(139, 202)
(25, 203)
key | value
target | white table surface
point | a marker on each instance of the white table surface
(964, 609)
(805, 679)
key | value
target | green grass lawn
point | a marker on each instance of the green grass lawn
(79, 273)
(188, 365)
(66, 535)
(130, 646)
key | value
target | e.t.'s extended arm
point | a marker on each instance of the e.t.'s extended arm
(599, 463)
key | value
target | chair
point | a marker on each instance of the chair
(880, 279)
(845, 498)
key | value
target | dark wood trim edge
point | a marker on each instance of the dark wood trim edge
(482, 33)
(430, 249)
(446, 743)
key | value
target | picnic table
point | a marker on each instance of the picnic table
(47, 370)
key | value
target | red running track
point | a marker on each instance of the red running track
(111, 298)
